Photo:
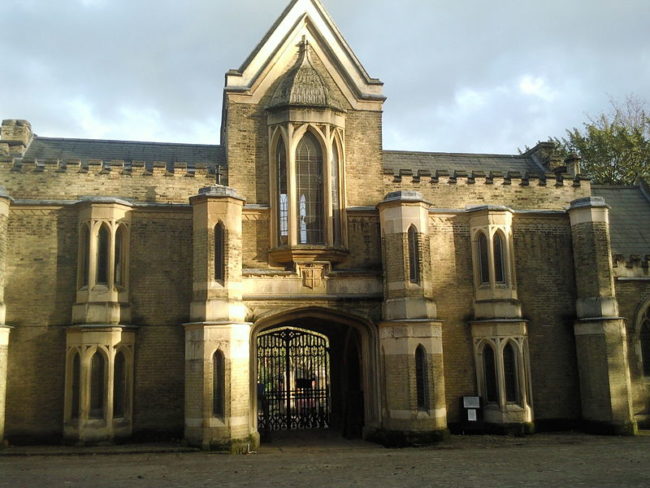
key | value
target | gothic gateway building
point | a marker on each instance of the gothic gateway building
(300, 276)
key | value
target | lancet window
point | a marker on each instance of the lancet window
(103, 254)
(413, 255)
(422, 378)
(218, 384)
(501, 363)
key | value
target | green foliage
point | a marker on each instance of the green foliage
(615, 147)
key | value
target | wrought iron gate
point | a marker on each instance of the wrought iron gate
(293, 384)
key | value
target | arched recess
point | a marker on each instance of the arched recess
(489, 387)
(642, 338)
(338, 326)
(98, 393)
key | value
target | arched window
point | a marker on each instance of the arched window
(414, 255)
(484, 265)
(119, 386)
(644, 338)
(219, 252)
(283, 198)
(490, 374)
(218, 384)
(102, 255)
(422, 378)
(510, 374)
(499, 262)
(119, 268)
(76, 377)
(309, 186)
(336, 211)
(97, 385)
(85, 248)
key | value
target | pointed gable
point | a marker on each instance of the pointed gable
(304, 20)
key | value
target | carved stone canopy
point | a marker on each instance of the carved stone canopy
(302, 85)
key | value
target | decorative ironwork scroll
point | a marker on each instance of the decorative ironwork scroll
(293, 385)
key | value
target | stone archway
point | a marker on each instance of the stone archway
(352, 382)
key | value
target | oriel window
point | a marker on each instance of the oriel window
(309, 179)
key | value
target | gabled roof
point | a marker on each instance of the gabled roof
(304, 18)
(437, 161)
(629, 218)
(48, 148)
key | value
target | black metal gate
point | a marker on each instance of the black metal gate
(293, 384)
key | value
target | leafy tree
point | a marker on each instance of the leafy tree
(615, 146)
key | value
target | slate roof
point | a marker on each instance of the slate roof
(47, 148)
(629, 219)
(432, 161)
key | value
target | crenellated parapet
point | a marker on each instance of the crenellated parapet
(443, 176)
(632, 266)
(106, 167)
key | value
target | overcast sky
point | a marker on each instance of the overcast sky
(460, 75)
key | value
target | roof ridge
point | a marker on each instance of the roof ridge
(456, 153)
(615, 187)
(121, 141)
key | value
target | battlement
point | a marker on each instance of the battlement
(631, 266)
(120, 167)
(484, 177)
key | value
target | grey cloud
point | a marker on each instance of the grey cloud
(169, 59)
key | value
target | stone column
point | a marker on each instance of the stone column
(218, 327)
(409, 314)
(5, 201)
(601, 342)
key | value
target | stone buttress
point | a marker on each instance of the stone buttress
(410, 334)
(217, 340)
(600, 333)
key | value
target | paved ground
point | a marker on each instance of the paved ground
(573, 460)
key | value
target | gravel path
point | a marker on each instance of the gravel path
(471, 461)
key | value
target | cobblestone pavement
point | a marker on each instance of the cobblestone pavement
(469, 461)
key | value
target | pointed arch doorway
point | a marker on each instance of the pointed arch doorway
(312, 374)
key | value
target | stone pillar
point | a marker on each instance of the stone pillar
(5, 201)
(218, 329)
(601, 343)
(409, 314)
